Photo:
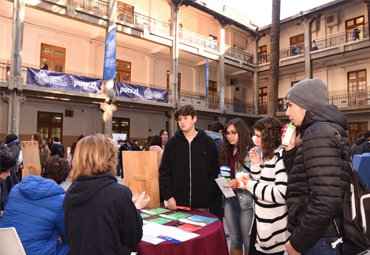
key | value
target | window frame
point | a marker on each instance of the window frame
(50, 125)
(120, 128)
(52, 57)
(121, 71)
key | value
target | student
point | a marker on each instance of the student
(216, 133)
(238, 209)
(269, 233)
(318, 170)
(164, 134)
(35, 210)
(360, 143)
(100, 216)
(189, 164)
(43, 147)
(6, 165)
(155, 144)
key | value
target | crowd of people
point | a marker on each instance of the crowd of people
(289, 198)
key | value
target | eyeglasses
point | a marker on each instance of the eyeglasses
(232, 133)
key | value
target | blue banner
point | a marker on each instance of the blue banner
(110, 56)
(65, 81)
(141, 92)
(207, 77)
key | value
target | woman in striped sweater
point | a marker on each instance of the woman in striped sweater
(269, 232)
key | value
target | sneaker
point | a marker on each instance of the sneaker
(227, 237)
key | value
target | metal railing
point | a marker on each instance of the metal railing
(292, 51)
(263, 59)
(354, 34)
(349, 100)
(232, 52)
(199, 40)
(5, 71)
(139, 20)
(95, 6)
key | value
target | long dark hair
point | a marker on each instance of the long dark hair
(270, 135)
(155, 140)
(242, 146)
(10, 138)
(42, 145)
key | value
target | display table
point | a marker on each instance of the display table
(211, 241)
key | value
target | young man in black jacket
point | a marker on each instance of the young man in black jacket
(318, 170)
(189, 164)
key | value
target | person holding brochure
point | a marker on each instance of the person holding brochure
(269, 231)
(100, 216)
(238, 209)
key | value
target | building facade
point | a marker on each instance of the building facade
(157, 39)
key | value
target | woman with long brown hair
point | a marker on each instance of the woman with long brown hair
(43, 147)
(269, 232)
(238, 209)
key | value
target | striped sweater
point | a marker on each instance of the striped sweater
(269, 187)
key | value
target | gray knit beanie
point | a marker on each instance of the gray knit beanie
(308, 93)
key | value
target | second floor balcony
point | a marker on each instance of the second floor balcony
(198, 40)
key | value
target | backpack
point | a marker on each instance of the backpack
(356, 216)
(60, 150)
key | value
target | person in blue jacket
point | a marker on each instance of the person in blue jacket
(35, 210)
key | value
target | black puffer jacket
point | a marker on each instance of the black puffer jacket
(318, 177)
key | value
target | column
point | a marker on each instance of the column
(174, 54)
(108, 91)
(172, 125)
(150, 78)
(15, 96)
(307, 48)
(108, 110)
(221, 66)
(256, 78)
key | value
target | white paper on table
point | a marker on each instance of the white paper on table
(228, 192)
(152, 240)
(181, 235)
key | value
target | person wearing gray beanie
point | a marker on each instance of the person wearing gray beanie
(318, 170)
(308, 93)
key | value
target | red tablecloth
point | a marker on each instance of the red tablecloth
(211, 241)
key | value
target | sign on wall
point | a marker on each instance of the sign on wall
(57, 80)
(141, 92)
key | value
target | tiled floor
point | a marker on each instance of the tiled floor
(67, 183)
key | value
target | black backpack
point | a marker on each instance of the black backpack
(356, 216)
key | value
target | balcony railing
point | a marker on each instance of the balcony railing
(244, 56)
(349, 100)
(5, 71)
(139, 20)
(212, 103)
(292, 51)
(199, 40)
(96, 6)
(354, 34)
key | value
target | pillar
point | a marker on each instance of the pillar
(307, 48)
(221, 66)
(174, 54)
(108, 110)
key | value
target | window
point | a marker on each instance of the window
(357, 88)
(169, 88)
(50, 124)
(123, 71)
(212, 89)
(53, 56)
(263, 100)
(281, 105)
(262, 54)
(297, 44)
(125, 12)
(356, 128)
(121, 126)
(354, 28)
(294, 83)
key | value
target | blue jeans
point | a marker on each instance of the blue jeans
(322, 248)
(239, 223)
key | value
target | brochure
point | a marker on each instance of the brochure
(160, 220)
(175, 216)
(189, 227)
(198, 220)
(143, 215)
(228, 192)
(155, 211)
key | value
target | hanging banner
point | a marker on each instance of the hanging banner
(141, 92)
(109, 72)
(207, 77)
(65, 81)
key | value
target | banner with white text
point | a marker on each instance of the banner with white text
(141, 92)
(65, 81)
